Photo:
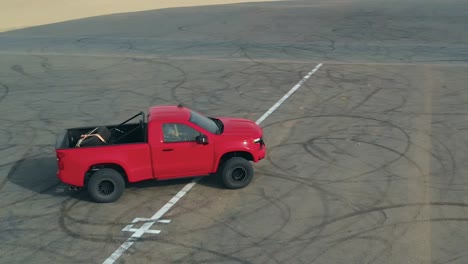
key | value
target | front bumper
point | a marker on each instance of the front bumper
(262, 149)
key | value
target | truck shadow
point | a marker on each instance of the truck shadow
(39, 176)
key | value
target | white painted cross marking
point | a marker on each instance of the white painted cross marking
(134, 230)
(129, 228)
(145, 228)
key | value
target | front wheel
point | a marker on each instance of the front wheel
(236, 173)
(106, 185)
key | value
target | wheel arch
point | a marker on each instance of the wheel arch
(239, 153)
(110, 165)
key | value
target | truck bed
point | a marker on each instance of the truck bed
(70, 137)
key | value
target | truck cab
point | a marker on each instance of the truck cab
(175, 142)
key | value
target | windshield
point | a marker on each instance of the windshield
(205, 122)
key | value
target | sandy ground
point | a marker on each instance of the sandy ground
(23, 13)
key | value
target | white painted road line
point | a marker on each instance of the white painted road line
(145, 228)
(286, 96)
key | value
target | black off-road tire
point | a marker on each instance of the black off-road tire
(103, 131)
(236, 173)
(106, 185)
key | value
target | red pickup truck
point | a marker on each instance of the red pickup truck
(174, 142)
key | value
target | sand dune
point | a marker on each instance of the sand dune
(16, 14)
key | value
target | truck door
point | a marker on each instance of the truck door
(180, 154)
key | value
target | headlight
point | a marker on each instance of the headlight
(258, 140)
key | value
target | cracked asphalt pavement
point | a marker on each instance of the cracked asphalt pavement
(365, 163)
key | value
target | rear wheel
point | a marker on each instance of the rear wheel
(236, 173)
(106, 185)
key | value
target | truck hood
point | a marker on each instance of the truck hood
(241, 127)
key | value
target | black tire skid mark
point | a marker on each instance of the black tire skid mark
(42, 247)
(5, 180)
(28, 198)
(305, 242)
(437, 157)
(322, 192)
(451, 156)
(306, 179)
(399, 156)
(339, 77)
(305, 145)
(325, 215)
(438, 176)
(20, 70)
(64, 212)
(397, 152)
(453, 258)
(408, 159)
(353, 178)
(226, 256)
(379, 209)
(276, 202)
(6, 91)
(253, 241)
(7, 137)
(55, 255)
(383, 241)
(216, 101)
(96, 238)
(66, 220)
(359, 234)
(366, 98)
(69, 203)
(324, 182)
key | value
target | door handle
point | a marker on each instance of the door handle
(168, 149)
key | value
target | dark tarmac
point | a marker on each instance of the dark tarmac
(366, 161)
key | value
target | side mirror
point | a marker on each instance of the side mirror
(202, 139)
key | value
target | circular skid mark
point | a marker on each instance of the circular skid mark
(4, 91)
(237, 88)
(234, 230)
(364, 92)
(83, 220)
(36, 252)
(340, 230)
(343, 157)
(238, 221)
(343, 148)
(6, 139)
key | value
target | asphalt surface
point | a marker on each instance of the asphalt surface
(366, 161)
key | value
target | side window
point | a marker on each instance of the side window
(179, 133)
